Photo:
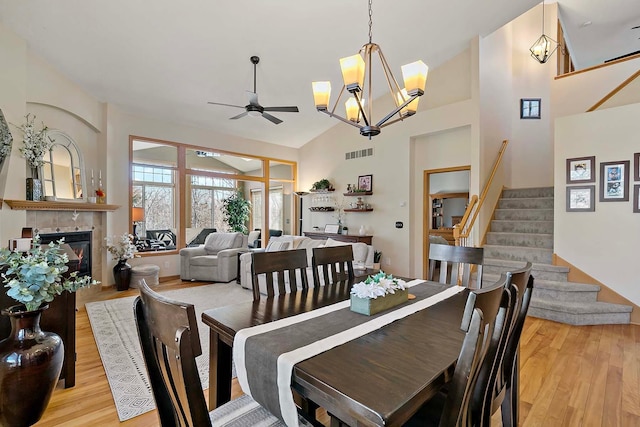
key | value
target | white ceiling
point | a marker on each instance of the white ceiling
(166, 59)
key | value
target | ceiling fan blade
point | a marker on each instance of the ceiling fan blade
(226, 105)
(283, 109)
(238, 116)
(253, 98)
(272, 119)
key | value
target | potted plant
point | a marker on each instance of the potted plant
(121, 248)
(322, 185)
(377, 256)
(35, 145)
(236, 211)
(30, 359)
(378, 293)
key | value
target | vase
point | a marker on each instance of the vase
(122, 275)
(362, 230)
(30, 365)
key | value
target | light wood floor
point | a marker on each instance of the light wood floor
(570, 376)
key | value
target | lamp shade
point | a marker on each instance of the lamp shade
(411, 108)
(353, 72)
(353, 111)
(137, 214)
(415, 77)
(321, 94)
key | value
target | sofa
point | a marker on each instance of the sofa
(362, 253)
(214, 261)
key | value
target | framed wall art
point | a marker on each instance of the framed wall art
(636, 198)
(614, 181)
(581, 198)
(530, 108)
(332, 228)
(581, 169)
(636, 167)
(365, 182)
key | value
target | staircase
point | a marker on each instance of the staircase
(522, 230)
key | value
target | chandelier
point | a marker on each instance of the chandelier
(544, 47)
(357, 76)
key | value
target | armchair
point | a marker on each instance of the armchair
(215, 261)
(257, 241)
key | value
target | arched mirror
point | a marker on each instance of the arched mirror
(63, 167)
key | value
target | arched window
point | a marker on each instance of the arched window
(63, 169)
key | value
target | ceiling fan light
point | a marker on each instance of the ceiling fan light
(353, 72)
(321, 94)
(415, 77)
(254, 113)
(543, 48)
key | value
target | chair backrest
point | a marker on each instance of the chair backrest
(275, 266)
(335, 263)
(478, 321)
(455, 264)
(169, 338)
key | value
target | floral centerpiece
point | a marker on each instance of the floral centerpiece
(378, 293)
(121, 248)
(35, 143)
(35, 277)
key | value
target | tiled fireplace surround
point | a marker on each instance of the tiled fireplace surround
(62, 221)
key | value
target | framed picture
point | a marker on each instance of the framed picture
(581, 198)
(636, 198)
(614, 181)
(530, 108)
(581, 169)
(365, 182)
(636, 167)
(332, 228)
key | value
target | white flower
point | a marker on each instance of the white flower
(378, 286)
(121, 247)
(36, 143)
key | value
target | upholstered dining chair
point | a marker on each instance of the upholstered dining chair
(455, 264)
(482, 319)
(505, 393)
(277, 270)
(334, 262)
(168, 334)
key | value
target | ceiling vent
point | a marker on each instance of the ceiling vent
(358, 153)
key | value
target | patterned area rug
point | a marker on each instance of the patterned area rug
(114, 329)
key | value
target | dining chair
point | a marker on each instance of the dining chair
(455, 264)
(505, 393)
(168, 334)
(334, 262)
(480, 321)
(279, 268)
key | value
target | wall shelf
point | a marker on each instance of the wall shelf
(30, 205)
(322, 209)
(358, 193)
(358, 210)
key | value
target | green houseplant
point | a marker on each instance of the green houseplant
(236, 211)
(31, 359)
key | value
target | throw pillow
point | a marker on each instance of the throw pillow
(331, 242)
(282, 243)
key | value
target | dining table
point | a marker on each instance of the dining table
(379, 378)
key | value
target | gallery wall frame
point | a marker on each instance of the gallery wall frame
(614, 181)
(636, 198)
(581, 198)
(365, 182)
(581, 170)
(636, 167)
(530, 108)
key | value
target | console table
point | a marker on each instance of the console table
(349, 238)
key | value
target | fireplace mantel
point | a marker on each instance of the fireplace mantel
(29, 205)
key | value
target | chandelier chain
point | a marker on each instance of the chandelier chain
(370, 21)
(542, 16)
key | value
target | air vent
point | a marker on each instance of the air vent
(359, 153)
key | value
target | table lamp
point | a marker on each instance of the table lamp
(137, 215)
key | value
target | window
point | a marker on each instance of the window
(154, 190)
(276, 208)
(207, 194)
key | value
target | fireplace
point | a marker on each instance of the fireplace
(80, 243)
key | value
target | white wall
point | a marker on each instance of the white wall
(600, 243)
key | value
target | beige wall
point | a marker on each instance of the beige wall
(600, 243)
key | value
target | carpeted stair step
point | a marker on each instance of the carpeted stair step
(556, 291)
(580, 313)
(522, 226)
(524, 214)
(528, 192)
(519, 253)
(539, 270)
(531, 240)
(526, 203)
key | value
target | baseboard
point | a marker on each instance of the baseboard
(606, 294)
(168, 278)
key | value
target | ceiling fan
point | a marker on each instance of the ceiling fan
(254, 108)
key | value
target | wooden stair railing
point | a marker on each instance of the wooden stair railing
(462, 230)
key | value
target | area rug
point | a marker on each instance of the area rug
(114, 329)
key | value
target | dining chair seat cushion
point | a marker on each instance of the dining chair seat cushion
(244, 412)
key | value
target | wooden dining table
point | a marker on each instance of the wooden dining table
(381, 378)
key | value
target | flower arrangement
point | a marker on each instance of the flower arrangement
(35, 277)
(378, 285)
(121, 247)
(36, 142)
